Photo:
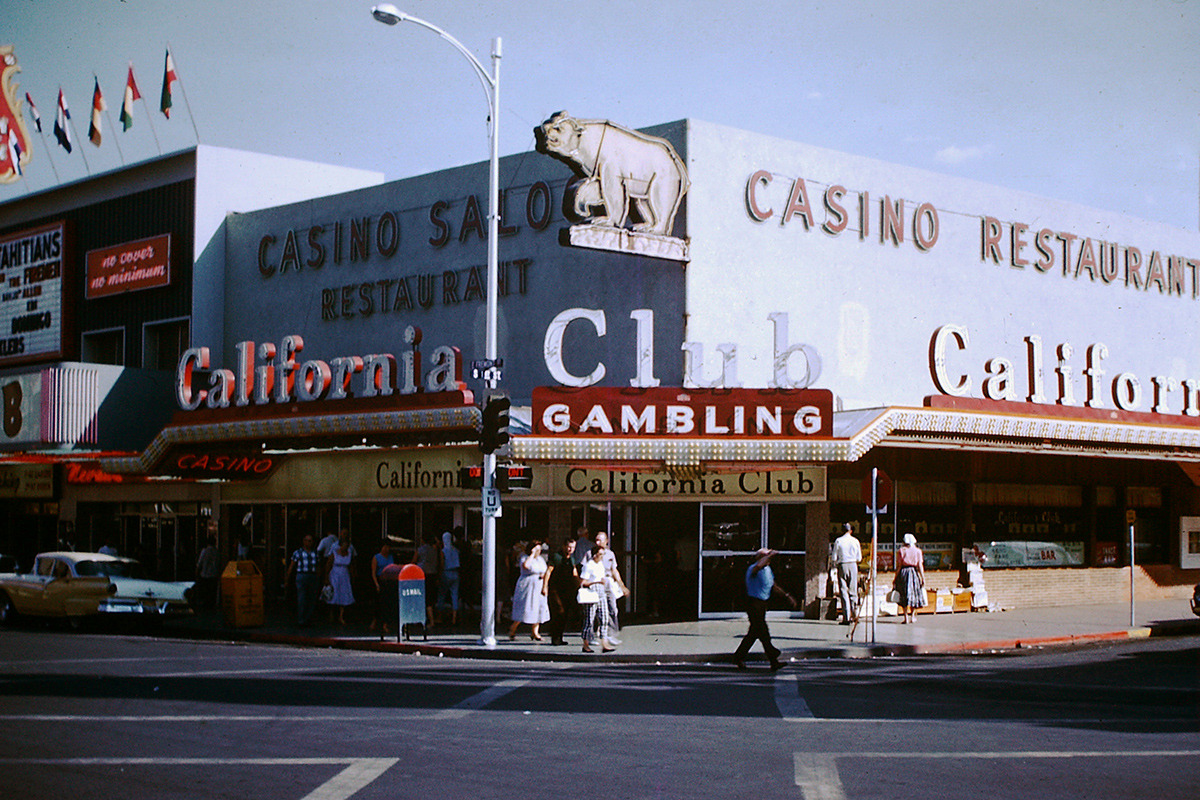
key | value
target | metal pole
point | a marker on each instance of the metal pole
(874, 547)
(390, 15)
(1132, 615)
(487, 621)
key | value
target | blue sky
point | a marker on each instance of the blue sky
(1093, 101)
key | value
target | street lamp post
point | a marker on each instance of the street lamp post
(390, 15)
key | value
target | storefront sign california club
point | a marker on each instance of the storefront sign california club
(435, 472)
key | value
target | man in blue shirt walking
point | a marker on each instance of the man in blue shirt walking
(760, 584)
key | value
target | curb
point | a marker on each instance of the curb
(848, 650)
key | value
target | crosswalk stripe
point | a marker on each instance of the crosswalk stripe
(787, 698)
(817, 776)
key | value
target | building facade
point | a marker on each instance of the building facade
(711, 338)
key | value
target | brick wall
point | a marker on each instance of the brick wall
(1030, 588)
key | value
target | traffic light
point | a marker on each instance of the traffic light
(513, 476)
(471, 477)
(494, 433)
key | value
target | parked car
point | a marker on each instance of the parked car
(126, 590)
(1196, 600)
(52, 590)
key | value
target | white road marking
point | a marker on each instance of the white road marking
(481, 699)
(991, 754)
(817, 776)
(206, 718)
(787, 698)
(359, 773)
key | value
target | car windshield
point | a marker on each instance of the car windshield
(110, 569)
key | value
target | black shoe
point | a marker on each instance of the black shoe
(776, 665)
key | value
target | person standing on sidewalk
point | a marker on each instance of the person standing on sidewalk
(760, 585)
(562, 580)
(208, 573)
(910, 579)
(304, 565)
(846, 554)
(429, 558)
(449, 585)
(591, 598)
(614, 587)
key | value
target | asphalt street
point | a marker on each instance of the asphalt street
(133, 716)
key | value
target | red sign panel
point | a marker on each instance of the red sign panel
(685, 413)
(128, 267)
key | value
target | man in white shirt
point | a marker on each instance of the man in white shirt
(846, 554)
(583, 546)
(614, 585)
(326, 545)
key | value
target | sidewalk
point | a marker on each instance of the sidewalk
(713, 641)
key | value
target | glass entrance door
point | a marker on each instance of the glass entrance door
(729, 537)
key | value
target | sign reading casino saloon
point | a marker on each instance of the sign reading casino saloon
(685, 413)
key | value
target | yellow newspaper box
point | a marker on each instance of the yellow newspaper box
(242, 594)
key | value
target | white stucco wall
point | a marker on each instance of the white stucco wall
(870, 310)
(229, 181)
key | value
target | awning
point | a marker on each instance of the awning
(944, 423)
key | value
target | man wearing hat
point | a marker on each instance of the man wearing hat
(846, 554)
(760, 584)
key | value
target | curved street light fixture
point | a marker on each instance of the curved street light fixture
(390, 15)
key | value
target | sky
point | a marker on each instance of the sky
(1091, 101)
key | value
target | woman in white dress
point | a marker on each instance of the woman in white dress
(338, 578)
(529, 598)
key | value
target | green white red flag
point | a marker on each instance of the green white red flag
(131, 94)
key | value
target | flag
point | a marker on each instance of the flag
(33, 112)
(62, 130)
(168, 76)
(98, 105)
(14, 151)
(131, 94)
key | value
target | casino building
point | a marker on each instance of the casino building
(710, 338)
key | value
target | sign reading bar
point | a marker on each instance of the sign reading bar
(128, 267)
(686, 413)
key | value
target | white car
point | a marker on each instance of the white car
(134, 594)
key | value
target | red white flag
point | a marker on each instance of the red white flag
(33, 112)
(169, 77)
(62, 128)
(98, 105)
(131, 94)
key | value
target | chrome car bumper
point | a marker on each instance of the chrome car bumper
(162, 608)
